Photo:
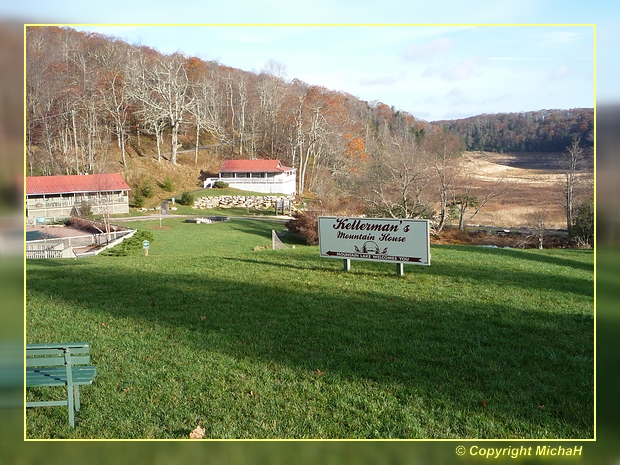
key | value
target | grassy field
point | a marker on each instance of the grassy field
(212, 329)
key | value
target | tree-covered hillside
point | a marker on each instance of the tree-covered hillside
(93, 102)
(532, 131)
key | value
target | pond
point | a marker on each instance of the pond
(38, 236)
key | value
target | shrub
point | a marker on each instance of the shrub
(146, 189)
(306, 226)
(130, 245)
(137, 199)
(86, 209)
(186, 199)
(167, 184)
(583, 229)
(220, 185)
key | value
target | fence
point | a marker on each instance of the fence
(48, 250)
(63, 247)
(272, 185)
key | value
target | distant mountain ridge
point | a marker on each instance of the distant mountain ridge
(532, 131)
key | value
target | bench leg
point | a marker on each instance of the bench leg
(70, 405)
(76, 395)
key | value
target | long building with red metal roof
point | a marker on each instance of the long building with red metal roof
(49, 198)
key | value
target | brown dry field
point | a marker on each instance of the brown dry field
(534, 187)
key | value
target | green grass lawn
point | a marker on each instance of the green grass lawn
(484, 343)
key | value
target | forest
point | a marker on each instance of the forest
(93, 102)
(532, 131)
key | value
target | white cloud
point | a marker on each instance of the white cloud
(461, 71)
(456, 96)
(379, 81)
(428, 51)
(551, 37)
(562, 72)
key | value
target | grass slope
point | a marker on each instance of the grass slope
(485, 343)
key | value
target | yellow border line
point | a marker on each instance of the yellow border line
(595, 237)
(24, 208)
(315, 24)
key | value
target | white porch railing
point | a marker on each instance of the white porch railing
(265, 185)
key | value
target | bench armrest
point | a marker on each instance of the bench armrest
(60, 345)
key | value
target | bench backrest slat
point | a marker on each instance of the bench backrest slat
(74, 350)
(61, 345)
(56, 361)
(42, 352)
(54, 354)
(45, 361)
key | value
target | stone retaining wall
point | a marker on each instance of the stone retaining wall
(230, 201)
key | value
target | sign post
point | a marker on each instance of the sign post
(145, 247)
(392, 240)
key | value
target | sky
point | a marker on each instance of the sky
(436, 60)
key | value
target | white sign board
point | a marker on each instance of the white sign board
(380, 239)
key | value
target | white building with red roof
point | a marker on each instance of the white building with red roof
(57, 197)
(265, 176)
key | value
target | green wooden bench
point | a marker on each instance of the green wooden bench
(64, 364)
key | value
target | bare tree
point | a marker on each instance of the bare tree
(537, 224)
(162, 87)
(116, 102)
(40, 103)
(155, 126)
(243, 102)
(574, 155)
(237, 97)
(465, 204)
(444, 148)
(207, 109)
(271, 90)
(313, 146)
(396, 177)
